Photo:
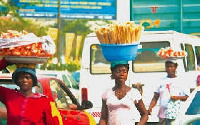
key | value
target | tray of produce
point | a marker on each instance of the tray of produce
(26, 59)
(169, 53)
(23, 47)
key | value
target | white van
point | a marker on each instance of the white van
(146, 69)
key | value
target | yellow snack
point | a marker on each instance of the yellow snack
(99, 35)
(104, 31)
(119, 33)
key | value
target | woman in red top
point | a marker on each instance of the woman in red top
(23, 106)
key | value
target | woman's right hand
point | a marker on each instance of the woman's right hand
(149, 111)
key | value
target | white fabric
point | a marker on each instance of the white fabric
(48, 44)
(122, 112)
(177, 87)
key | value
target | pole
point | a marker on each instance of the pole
(58, 36)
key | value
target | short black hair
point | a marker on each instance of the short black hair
(170, 62)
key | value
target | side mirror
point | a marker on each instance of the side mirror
(86, 104)
(5, 70)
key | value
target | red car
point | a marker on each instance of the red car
(71, 111)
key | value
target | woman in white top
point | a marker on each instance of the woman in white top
(172, 91)
(120, 103)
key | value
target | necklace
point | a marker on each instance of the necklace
(120, 94)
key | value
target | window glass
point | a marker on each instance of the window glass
(38, 88)
(197, 52)
(61, 98)
(184, 60)
(190, 57)
(73, 82)
(147, 59)
(99, 65)
(66, 81)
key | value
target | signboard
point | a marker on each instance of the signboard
(69, 9)
(181, 16)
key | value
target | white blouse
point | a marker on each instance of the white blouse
(122, 111)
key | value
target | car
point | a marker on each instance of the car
(190, 110)
(64, 98)
(66, 77)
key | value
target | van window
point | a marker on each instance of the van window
(184, 60)
(99, 65)
(197, 52)
(147, 59)
(190, 57)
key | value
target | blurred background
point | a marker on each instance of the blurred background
(69, 21)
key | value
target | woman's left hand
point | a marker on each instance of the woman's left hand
(175, 98)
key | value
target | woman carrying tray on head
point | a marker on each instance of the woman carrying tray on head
(120, 103)
(171, 90)
(24, 106)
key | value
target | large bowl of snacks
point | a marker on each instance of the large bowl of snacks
(23, 47)
(119, 41)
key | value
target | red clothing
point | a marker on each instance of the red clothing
(33, 110)
(3, 64)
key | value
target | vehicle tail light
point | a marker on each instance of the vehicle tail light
(84, 94)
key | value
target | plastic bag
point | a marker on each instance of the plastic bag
(173, 109)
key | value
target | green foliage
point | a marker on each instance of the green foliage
(71, 67)
(16, 22)
(12, 10)
(26, 25)
(78, 27)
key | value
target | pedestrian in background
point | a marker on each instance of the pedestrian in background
(172, 91)
(120, 103)
(198, 81)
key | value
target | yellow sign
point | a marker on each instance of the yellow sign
(78, 45)
(53, 32)
(69, 38)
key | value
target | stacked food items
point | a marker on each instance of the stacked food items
(13, 34)
(25, 46)
(119, 41)
(119, 33)
(170, 53)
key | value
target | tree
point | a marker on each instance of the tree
(26, 25)
(11, 20)
(79, 27)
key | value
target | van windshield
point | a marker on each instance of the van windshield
(99, 65)
(146, 60)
